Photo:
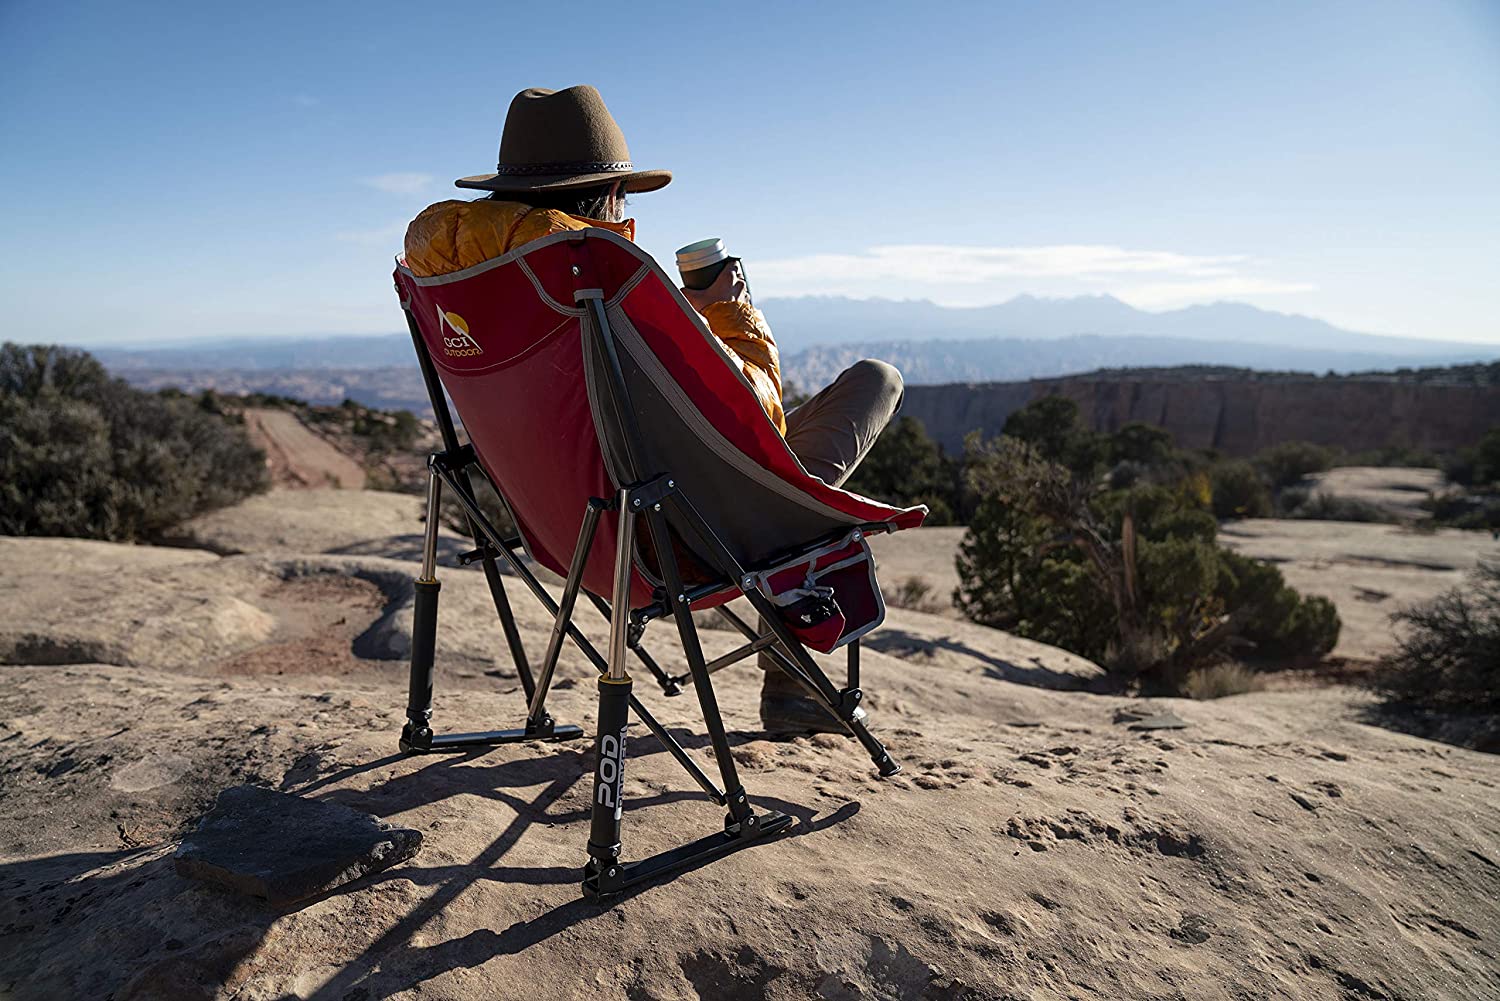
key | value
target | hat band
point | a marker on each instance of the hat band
(581, 167)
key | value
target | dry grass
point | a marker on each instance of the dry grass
(914, 593)
(1220, 680)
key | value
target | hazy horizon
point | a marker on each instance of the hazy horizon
(1398, 346)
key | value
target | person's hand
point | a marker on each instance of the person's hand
(728, 287)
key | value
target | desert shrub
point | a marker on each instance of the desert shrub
(1462, 509)
(1460, 467)
(1392, 455)
(1238, 490)
(1131, 578)
(906, 467)
(1141, 444)
(1127, 473)
(1478, 465)
(914, 592)
(1278, 622)
(1219, 680)
(1322, 506)
(1052, 425)
(1449, 655)
(1289, 462)
(1008, 581)
(1291, 499)
(1309, 633)
(1487, 458)
(386, 432)
(82, 454)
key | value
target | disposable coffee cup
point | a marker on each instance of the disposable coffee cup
(700, 263)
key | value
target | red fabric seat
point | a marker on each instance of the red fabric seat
(507, 341)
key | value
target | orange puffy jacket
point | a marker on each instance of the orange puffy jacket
(452, 235)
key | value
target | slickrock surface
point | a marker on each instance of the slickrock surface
(1368, 571)
(306, 521)
(1279, 846)
(1397, 490)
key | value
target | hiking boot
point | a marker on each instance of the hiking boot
(787, 710)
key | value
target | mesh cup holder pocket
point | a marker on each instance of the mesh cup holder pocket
(828, 596)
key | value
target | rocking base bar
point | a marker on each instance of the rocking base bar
(706, 849)
(417, 743)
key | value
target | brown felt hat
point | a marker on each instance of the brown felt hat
(560, 139)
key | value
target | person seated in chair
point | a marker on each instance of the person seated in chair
(564, 166)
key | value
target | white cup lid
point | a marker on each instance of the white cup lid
(701, 254)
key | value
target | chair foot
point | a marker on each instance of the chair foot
(623, 875)
(884, 763)
(887, 765)
(421, 740)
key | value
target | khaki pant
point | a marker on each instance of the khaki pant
(834, 430)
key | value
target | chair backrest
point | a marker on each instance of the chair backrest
(511, 347)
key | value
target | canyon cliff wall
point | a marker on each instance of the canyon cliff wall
(1238, 416)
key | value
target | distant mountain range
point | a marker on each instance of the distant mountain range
(935, 362)
(260, 354)
(1027, 337)
(816, 321)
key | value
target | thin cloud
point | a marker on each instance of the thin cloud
(969, 276)
(306, 101)
(399, 183)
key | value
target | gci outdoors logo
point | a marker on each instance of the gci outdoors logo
(456, 340)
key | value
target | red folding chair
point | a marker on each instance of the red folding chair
(593, 397)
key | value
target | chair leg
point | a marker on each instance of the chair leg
(605, 874)
(418, 731)
(669, 686)
(537, 714)
(501, 601)
(739, 810)
(417, 736)
(463, 484)
(844, 706)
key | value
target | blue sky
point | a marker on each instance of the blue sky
(214, 170)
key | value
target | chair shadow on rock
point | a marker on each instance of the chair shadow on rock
(462, 774)
(1035, 674)
(407, 548)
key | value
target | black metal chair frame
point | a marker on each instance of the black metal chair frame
(652, 497)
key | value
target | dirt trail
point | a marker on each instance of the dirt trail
(299, 458)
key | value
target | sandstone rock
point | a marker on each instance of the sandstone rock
(40, 555)
(122, 604)
(1031, 848)
(1396, 490)
(1367, 570)
(283, 849)
(305, 521)
(1069, 858)
(1236, 415)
